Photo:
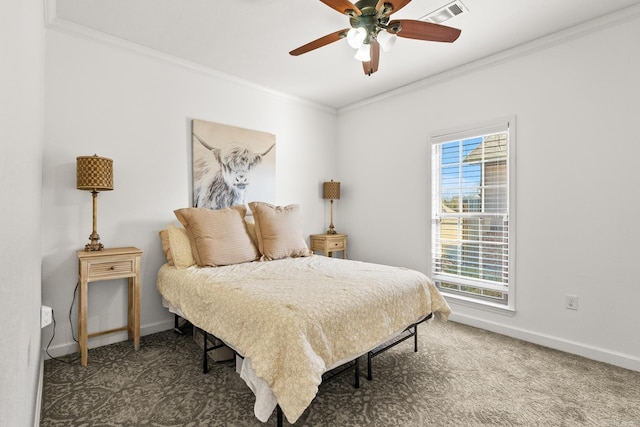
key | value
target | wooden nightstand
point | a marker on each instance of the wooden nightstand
(109, 264)
(329, 243)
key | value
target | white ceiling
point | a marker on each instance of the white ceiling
(250, 39)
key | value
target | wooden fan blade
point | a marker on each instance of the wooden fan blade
(420, 30)
(322, 41)
(342, 6)
(371, 67)
(396, 5)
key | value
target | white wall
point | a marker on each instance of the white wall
(576, 103)
(120, 101)
(21, 136)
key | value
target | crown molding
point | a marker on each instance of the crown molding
(58, 24)
(50, 8)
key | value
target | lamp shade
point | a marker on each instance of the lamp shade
(363, 53)
(386, 40)
(331, 190)
(356, 37)
(94, 173)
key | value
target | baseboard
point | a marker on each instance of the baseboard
(38, 408)
(622, 360)
(63, 349)
(156, 327)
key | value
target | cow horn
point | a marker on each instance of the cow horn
(214, 148)
(203, 143)
(265, 153)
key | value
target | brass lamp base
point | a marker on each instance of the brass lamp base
(94, 237)
(95, 245)
(331, 229)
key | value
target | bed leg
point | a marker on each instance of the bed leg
(176, 325)
(357, 381)
(205, 359)
(369, 369)
(278, 416)
(415, 338)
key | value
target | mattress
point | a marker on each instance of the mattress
(296, 318)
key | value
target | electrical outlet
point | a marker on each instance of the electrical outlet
(571, 302)
(46, 316)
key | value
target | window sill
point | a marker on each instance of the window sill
(481, 305)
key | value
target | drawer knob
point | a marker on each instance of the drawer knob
(113, 267)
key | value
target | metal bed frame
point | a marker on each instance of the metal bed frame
(410, 331)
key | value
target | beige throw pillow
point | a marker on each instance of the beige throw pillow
(279, 231)
(218, 237)
(180, 247)
(166, 246)
(251, 229)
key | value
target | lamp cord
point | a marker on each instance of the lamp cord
(53, 318)
(70, 310)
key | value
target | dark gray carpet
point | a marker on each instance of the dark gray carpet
(461, 376)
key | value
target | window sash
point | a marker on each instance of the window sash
(471, 252)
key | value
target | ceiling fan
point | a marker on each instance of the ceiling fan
(371, 29)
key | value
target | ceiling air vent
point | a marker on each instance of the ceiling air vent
(445, 12)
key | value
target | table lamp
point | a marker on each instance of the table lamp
(94, 174)
(331, 191)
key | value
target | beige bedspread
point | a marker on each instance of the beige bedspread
(298, 317)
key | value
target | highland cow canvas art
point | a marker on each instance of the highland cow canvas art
(231, 165)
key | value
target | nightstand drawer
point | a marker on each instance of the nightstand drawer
(111, 268)
(335, 245)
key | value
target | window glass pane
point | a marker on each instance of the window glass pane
(469, 262)
(450, 187)
(470, 188)
(450, 152)
(470, 145)
(450, 256)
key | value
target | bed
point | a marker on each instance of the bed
(291, 315)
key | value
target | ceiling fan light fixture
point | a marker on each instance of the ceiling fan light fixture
(364, 53)
(386, 40)
(356, 37)
(372, 30)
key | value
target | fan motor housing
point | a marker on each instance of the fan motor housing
(371, 19)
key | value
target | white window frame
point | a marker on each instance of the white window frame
(500, 125)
